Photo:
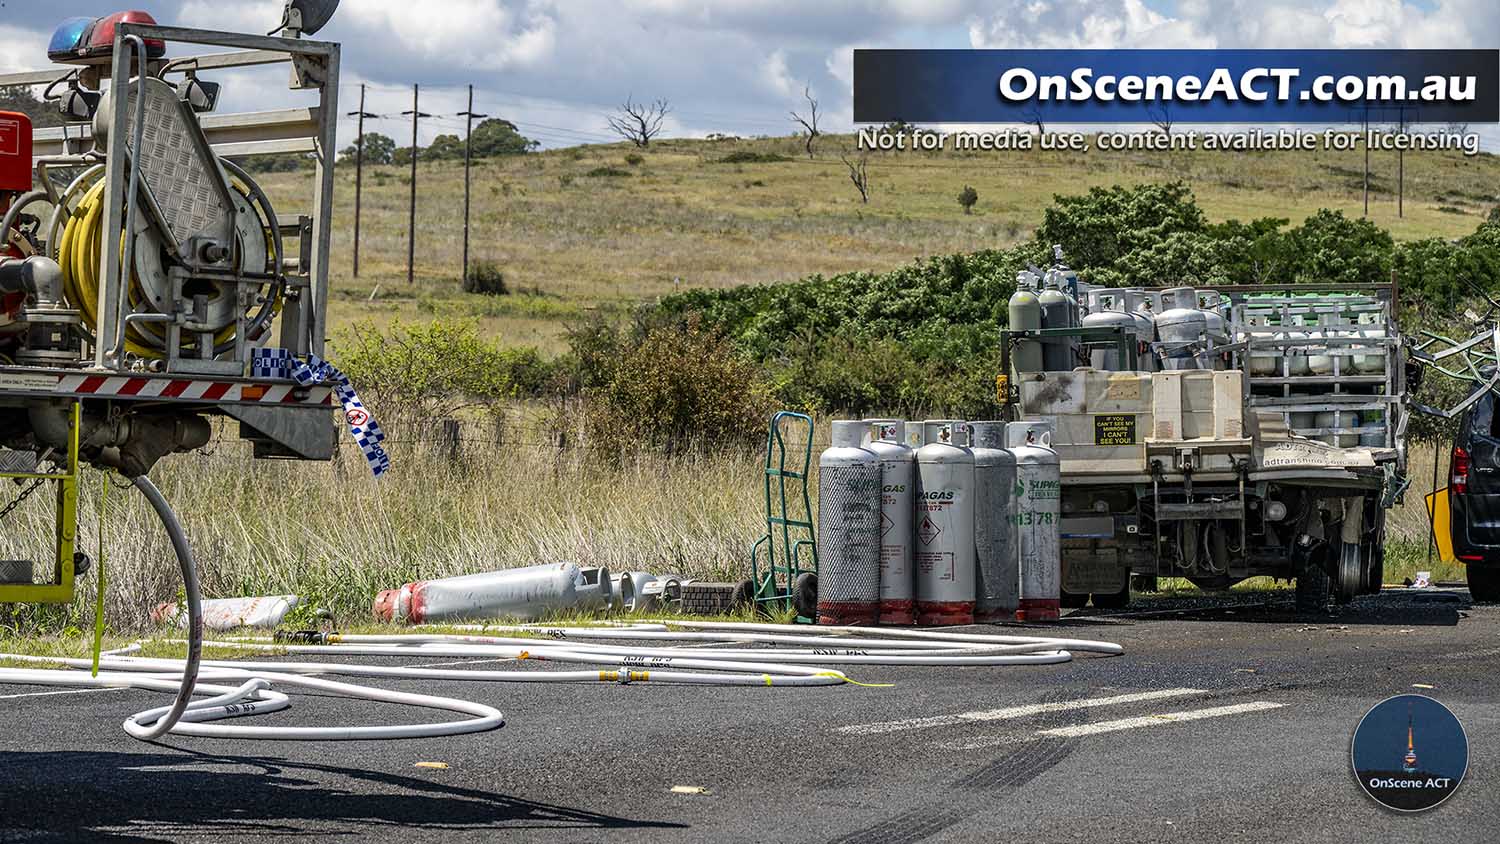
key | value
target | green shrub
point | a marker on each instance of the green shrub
(967, 197)
(634, 159)
(414, 372)
(746, 156)
(607, 172)
(673, 389)
(486, 278)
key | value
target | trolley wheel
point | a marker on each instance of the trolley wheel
(1072, 600)
(805, 595)
(1312, 584)
(744, 595)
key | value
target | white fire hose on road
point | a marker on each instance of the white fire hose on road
(762, 658)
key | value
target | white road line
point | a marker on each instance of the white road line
(63, 692)
(1156, 720)
(1012, 712)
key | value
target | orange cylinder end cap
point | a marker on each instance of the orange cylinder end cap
(385, 604)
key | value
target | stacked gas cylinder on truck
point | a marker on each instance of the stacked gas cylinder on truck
(148, 285)
(1214, 434)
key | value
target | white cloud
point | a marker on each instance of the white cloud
(1365, 23)
(778, 78)
(24, 49)
(257, 16)
(1082, 24)
(483, 33)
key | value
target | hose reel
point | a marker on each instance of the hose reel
(203, 240)
(161, 285)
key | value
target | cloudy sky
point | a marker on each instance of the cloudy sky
(555, 67)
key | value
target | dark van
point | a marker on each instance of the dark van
(1474, 498)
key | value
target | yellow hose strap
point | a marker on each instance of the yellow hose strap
(847, 679)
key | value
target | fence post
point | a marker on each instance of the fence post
(451, 440)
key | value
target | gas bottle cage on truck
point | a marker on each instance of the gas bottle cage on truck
(224, 310)
(1255, 430)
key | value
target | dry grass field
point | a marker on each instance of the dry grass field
(582, 228)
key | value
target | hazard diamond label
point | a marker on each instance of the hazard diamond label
(885, 524)
(928, 530)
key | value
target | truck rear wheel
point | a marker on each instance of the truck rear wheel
(1113, 600)
(1484, 584)
(1350, 572)
(1312, 585)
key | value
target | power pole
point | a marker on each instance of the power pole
(411, 218)
(359, 170)
(468, 157)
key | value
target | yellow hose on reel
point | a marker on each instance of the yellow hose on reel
(78, 255)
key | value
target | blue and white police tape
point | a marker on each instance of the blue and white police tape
(280, 363)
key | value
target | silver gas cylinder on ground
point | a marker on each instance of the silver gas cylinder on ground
(1038, 497)
(1058, 311)
(526, 593)
(944, 529)
(848, 528)
(997, 577)
(1107, 309)
(1026, 315)
(898, 491)
(1181, 328)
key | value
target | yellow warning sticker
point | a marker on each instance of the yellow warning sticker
(1114, 429)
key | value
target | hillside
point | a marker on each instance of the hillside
(585, 228)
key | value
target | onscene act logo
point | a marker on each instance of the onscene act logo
(1410, 753)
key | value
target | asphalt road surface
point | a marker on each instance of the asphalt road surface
(1226, 720)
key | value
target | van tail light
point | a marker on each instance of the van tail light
(1459, 483)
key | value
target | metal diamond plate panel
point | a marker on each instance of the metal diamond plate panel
(179, 180)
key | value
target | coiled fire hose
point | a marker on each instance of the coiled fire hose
(77, 230)
(752, 665)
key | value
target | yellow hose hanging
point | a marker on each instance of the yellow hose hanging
(78, 255)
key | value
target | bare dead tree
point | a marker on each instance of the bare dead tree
(810, 122)
(637, 122)
(1162, 117)
(1456, 127)
(859, 173)
(1033, 116)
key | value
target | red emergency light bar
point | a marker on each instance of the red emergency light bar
(94, 43)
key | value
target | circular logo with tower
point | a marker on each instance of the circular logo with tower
(1410, 753)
